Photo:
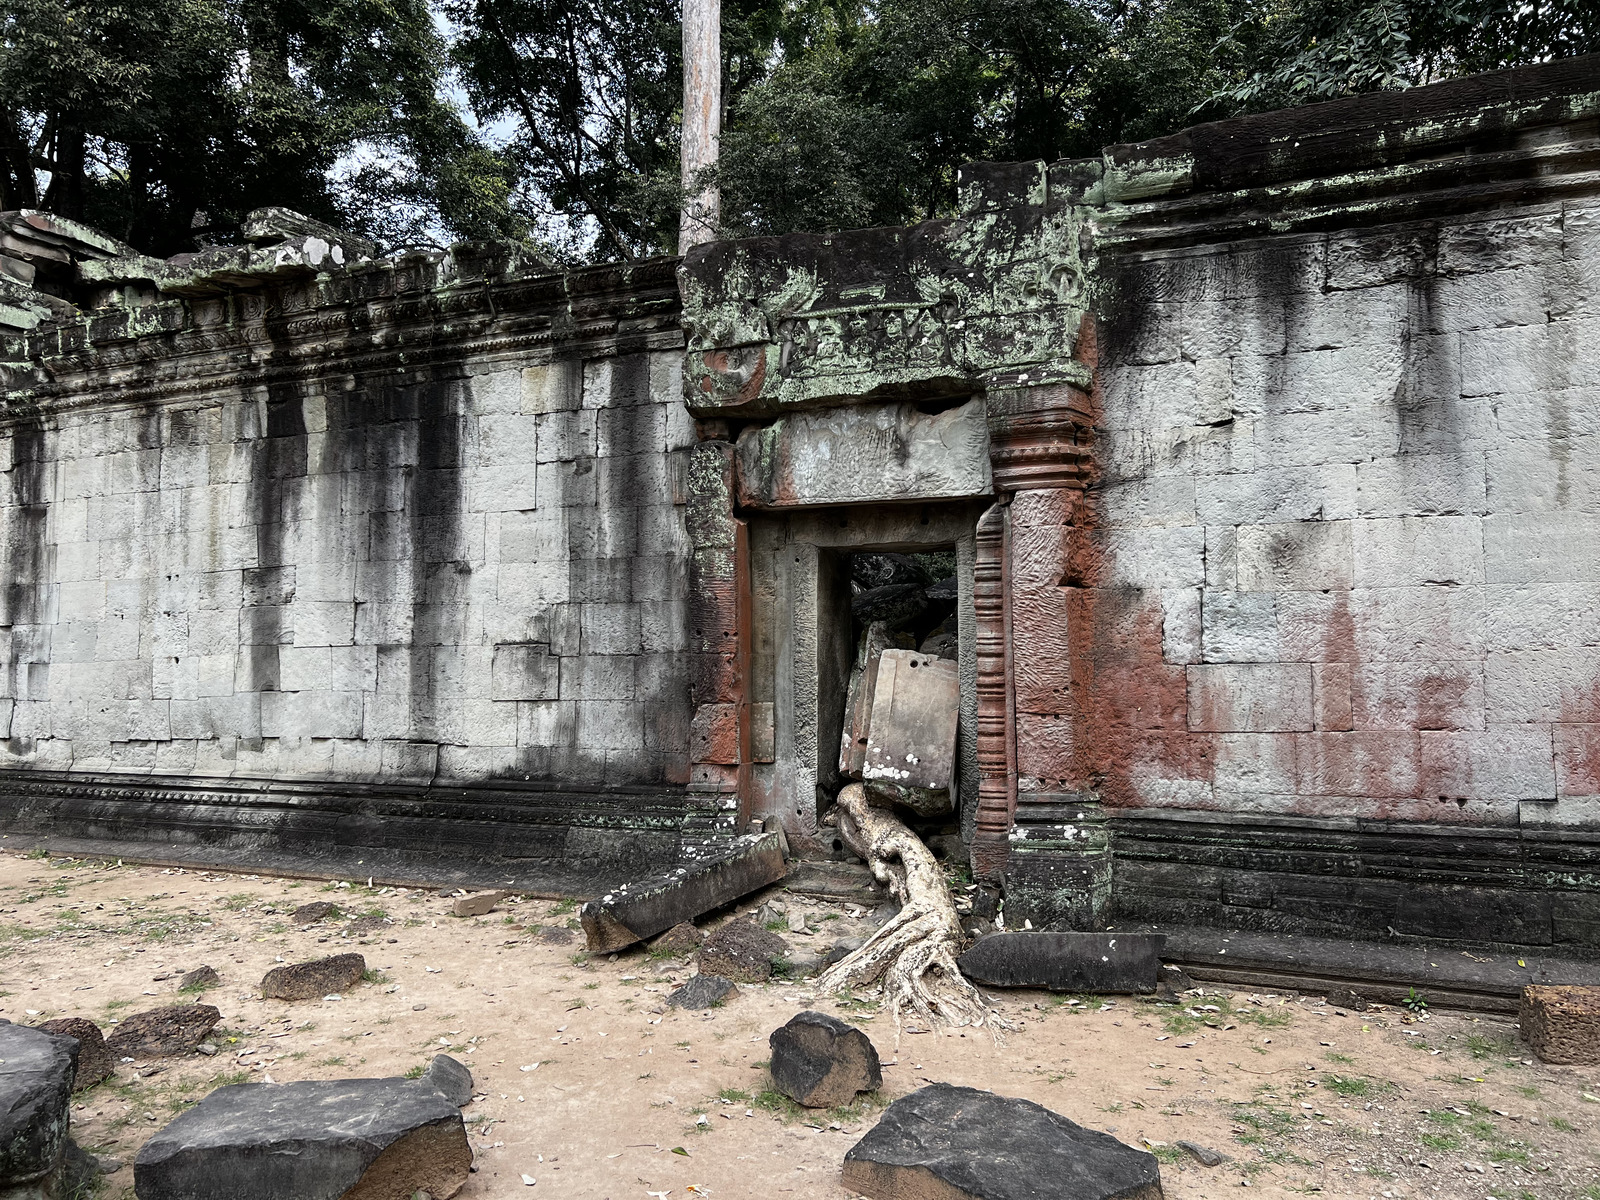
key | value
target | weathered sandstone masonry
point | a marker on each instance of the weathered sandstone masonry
(1284, 612)
(383, 561)
(1266, 456)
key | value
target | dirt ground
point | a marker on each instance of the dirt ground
(592, 1089)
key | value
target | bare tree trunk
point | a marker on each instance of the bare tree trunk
(914, 954)
(702, 119)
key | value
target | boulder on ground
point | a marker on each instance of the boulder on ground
(1345, 998)
(477, 904)
(1561, 1023)
(1067, 962)
(821, 1062)
(636, 911)
(682, 938)
(703, 991)
(741, 951)
(36, 1070)
(315, 979)
(173, 1029)
(310, 914)
(94, 1060)
(450, 1077)
(952, 1142)
(200, 977)
(376, 1139)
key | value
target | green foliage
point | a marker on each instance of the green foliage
(1416, 1002)
(1348, 1087)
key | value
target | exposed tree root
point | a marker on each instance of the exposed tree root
(914, 954)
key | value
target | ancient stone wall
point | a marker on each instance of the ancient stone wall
(412, 525)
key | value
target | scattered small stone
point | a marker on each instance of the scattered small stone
(842, 948)
(884, 913)
(703, 991)
(310, 980)
(682, 938)
(1204, 1155)
(1345, 998)
(955, 1142)
(556, 935)
(418, 1007)
(174, 1029)
(107, 1165)
(804, 963)
(310, 914)
(200, 977)
(365, 926)
(206, 1048)
(94, 1060)
(741, 951)
(821, 1062)
(477, 904)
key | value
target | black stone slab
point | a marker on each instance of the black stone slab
(36, 1072)
(821, 1062)
(632, 912)
(1066, 962)
(944, 1141)
(306, 1141)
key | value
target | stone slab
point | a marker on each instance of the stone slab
(635, 911)
(173, 1029)
(911, 738)
(821, 1062)
(36, 1070)
(948, 1143)
(315, 1140)
(478, 904)
(1561, 1023)
(94, 1060)
(315, 979)
(1066, 962)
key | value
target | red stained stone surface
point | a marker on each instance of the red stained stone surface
(714, 734)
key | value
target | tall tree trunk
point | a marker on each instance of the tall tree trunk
(18, 188)
(702, 119)
(66, 193)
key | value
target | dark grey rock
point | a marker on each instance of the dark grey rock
(741, 951)
(841, 949)
(94, 1060)
(682, 938)
(703, 991)
(309, 1141)
(884, 913)
(174, 1029)
(1204, 1155)
(1066, 962)
(451, 1078)
(636, 911)
(821, 1062)
(200, 977)
(802, 963)
(315, 979)
(36, 1070)
(948, 1142)
(1345, 998)
(310, 914)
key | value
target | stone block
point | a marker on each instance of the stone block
(1276, 495)
(1408, 551)
(1098, 963)
(1561, 1023)
(633, 912)
(319, 1140)
(525, 671)
(1240, 627)
(94, 1060)
(949, 1143)
(1250, 697)
(701, 992)
(36, 1074)
(477, 904)
(911, 732)
(174, 1029)
(315, 979)
(1294, 556)
(742, 951)
(714, 734)
(1552, 547)
(820, 1062)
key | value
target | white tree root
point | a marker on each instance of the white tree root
(914, 954)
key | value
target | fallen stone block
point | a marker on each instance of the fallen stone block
(36, 1072)
(911, 739)
(682, 938)
(946, 1143)
(174, 1029)
(478, 904)
(636, 911)
(703, 991)
(821, 1062)
(377, 1139)
(1067, 962)
(1345, 998)
(315, 979)
(450, 1078)
(1561, 1023)
(310, 914)
(94, 1060)
(200, 977)
(741, 951)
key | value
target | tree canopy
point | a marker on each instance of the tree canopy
(555, 121)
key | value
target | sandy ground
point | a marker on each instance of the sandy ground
(592, 1090)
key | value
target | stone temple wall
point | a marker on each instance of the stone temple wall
(411, 526)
